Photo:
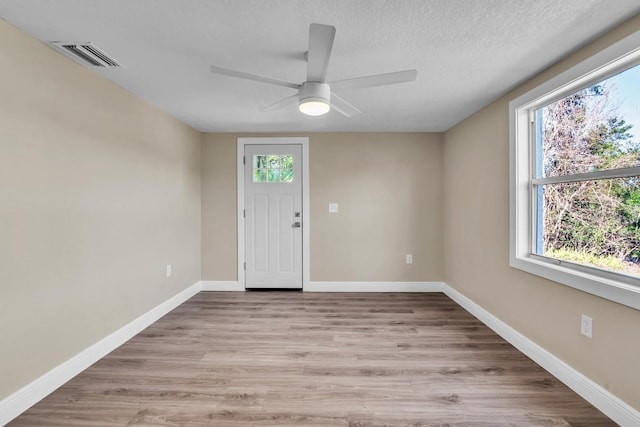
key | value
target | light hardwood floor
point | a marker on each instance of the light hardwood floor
(315, 359)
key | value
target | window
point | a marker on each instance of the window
(575, 176)
(268, 168)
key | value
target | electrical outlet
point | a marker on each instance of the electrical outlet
(586, 326)
(333, 207)
(169, 272)
(409, 259)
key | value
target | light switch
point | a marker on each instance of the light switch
(333, 208)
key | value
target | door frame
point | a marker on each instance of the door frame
(304, 142)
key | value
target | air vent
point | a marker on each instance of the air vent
(86, 53)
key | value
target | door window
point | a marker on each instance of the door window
(272, 168)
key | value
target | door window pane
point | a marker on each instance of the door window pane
(259, 175)
(259, 162)
(287, 175)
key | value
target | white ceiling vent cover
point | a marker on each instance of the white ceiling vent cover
(86, 54)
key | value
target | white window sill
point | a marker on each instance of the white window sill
(617, 291)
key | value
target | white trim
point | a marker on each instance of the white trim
(32, 393)
(306, 216)
(588, 176)
(598, 396)
(211, 285)
(306, 211)
(240, 209)
(609, 61)
(375, 287)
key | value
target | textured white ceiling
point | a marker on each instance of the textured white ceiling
(467, 53)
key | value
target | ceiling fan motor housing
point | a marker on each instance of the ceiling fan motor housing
(314, 92)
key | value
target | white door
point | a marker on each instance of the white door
(273, 216)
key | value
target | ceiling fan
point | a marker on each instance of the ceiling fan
(316, 96)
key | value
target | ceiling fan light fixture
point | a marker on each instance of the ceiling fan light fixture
(314, 107)
(314, 99)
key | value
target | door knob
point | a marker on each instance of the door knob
(296, 224)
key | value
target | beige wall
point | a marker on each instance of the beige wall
(219, 208)
(98, 192)
(388, 187)
(476, 230)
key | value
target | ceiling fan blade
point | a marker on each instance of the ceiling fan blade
(247, 76)
(377, 80)
(343, 107)
(281, 104)
(320, 44)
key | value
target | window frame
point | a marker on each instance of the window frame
(616, 287)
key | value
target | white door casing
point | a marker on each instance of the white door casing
(274, 248)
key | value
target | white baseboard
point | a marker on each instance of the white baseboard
(32, 393)
(598, 396)
(211, 285)
(374, 287)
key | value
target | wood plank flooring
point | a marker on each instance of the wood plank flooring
(315, 359)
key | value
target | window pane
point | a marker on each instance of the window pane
(273, 175)
(287, 175)
(273, 162)
(594, 223)
(259, 175)
(593, 129)
(286, 162)
(259, 161)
